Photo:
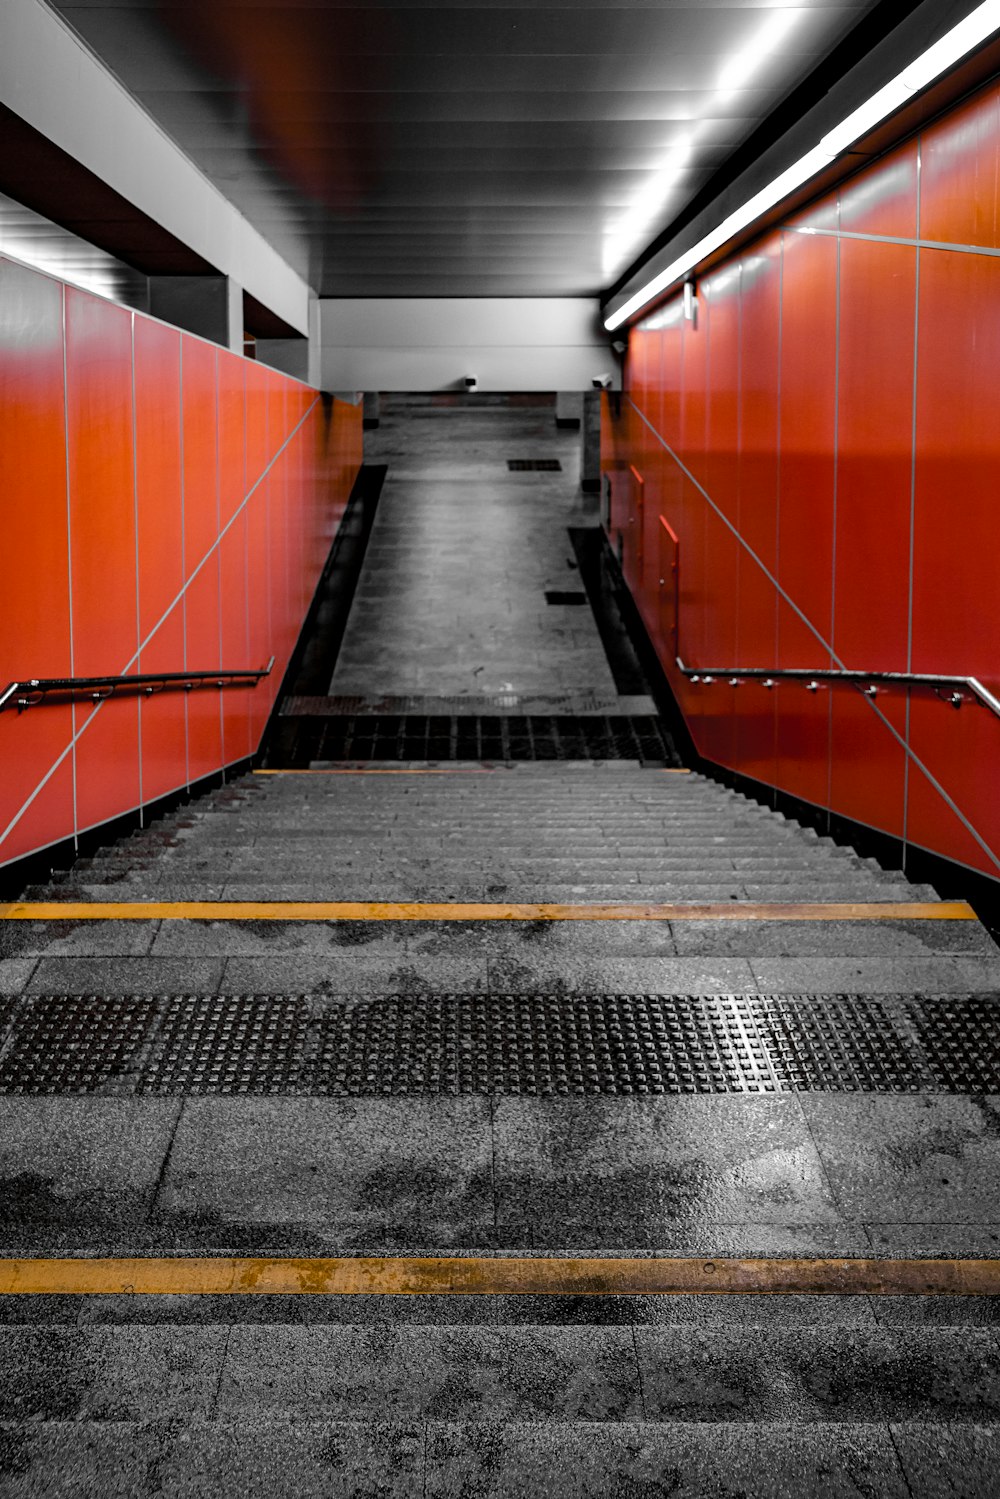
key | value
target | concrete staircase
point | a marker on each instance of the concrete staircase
(222, 1130)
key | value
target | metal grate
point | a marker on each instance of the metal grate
(433, 737)
(538, 1044)
(534, 465)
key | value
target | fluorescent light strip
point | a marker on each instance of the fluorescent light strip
(956, 44)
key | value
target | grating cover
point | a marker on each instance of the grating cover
(534, 1044)
(534, 465)
(448, 736)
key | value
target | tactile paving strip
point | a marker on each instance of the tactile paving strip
(545, 1044)
(74, 1043)
(229, 1044)
(961, 1040)
(533, 1044)
(844, 1043)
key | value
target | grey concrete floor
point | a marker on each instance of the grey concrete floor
(451, 600)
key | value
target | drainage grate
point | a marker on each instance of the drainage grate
(507, 738)
(534, 465)
(533, 1044)
(553, 596)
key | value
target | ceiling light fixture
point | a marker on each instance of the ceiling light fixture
(743, 64)
(977, 28)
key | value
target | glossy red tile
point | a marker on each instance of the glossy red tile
(874, 454)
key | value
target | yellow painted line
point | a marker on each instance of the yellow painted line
(432, 770)
(291, 910)
(444, 770)
(397, 1276)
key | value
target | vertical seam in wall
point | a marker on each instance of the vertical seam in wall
(705, 439)
(69, 559)
(183, 592)
(913, 508)
(267, 522)
(135, 513)
(739, 455)
(218, 528)
(246, 558)
(833, 539)
(777, 510)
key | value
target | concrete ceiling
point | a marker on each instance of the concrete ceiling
(407, 148)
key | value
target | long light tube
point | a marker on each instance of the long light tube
(977, 28)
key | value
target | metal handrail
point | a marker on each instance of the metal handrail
(31, 694)
(769, 676)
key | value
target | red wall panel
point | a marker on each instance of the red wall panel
(760, 352)
(807, 407)
(35, 630)
(867, 762)
(163, 717)
(235, 639)
(960, 174)
(232, 437)
(159, 490)
(874, 452)
(883, 200)
(99, 411)
(203, 652)
(958, 447)
(835, 401)
(143, 499)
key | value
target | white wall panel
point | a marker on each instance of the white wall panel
(53, 82)
(432, 343)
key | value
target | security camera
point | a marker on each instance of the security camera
(601, 382)
(471, 382)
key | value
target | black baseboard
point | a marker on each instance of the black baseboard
(951, 880)
(312, 663)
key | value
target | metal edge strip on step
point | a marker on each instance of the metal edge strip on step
(466, 768)
(290, 910)
(402, 1276)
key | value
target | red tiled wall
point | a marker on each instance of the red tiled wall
(167, 506)
(824, 442)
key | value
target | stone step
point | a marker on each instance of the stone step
(623, 862)
(290, 1458)
(733, 1371)
(444, 885)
